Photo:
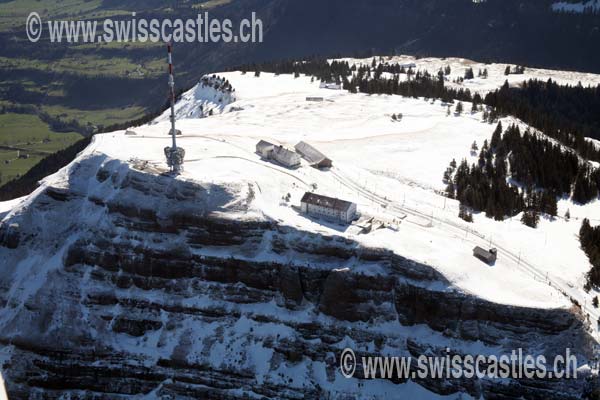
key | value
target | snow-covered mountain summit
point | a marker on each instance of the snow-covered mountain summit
(214, 284)
(209, 96)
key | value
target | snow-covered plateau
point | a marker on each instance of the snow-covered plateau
(576, 7)
(118, 280)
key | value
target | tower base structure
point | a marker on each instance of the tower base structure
(175, 158)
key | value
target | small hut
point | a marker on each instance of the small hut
(487, 256)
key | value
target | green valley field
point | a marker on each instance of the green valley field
(52, 94)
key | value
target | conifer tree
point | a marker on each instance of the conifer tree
(459, 108)
(496, 136)
(474, 108)
(530, 218)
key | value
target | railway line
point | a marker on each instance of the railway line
(524, 265)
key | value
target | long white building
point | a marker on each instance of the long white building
(328, 207)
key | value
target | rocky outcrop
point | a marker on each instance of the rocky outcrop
(354, 297)
(9, 235)
(159, 290)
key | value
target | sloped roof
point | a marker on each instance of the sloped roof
(311, 154)
(281, 153)
(263, 143)
(325, 201)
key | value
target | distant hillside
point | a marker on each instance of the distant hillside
(127, 75)
(500, 30)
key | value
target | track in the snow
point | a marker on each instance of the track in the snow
(523, 264)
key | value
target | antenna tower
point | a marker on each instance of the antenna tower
(174, 154)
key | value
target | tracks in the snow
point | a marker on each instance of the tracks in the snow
(521, 263)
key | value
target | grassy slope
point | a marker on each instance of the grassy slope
(88, 65)
(29, 133)
(105, 116)
(14, 13)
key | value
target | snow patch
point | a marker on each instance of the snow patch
(580, 7)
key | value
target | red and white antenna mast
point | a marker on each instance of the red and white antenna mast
(174, 154)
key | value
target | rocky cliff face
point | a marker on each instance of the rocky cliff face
(117, 283)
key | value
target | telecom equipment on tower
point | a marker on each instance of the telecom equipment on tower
(174, 154)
